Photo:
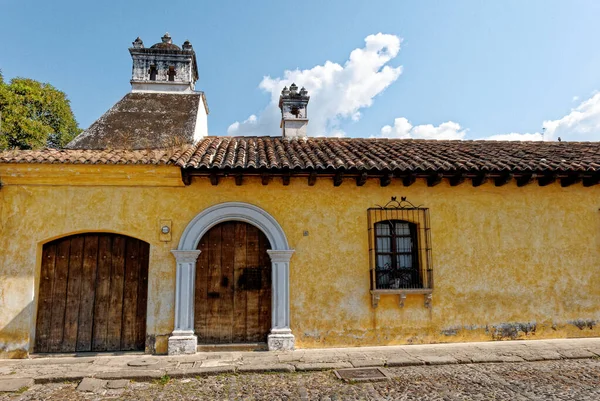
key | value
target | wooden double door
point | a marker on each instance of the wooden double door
(233, 285)
(93, 294)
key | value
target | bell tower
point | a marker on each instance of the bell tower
(163, 67)
(294, 118)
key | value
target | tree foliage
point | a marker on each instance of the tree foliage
(34, 115)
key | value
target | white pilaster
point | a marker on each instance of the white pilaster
(183, 340)
(281, 337)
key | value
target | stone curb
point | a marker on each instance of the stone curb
(403, 361)
(496, 359)
(308, 367)
(276, 367)
(62, 377)
(367, 363)
(142, 375)
(200, 371)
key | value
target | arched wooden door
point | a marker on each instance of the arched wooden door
(93, 293)
(233, 285)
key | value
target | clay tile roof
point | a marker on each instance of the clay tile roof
(143, 120)
(76, 156)
(347, 154)
(404, 155)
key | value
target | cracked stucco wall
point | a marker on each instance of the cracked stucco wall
(508, 262)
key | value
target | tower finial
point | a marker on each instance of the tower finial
(187, 45)
(137, 43)
(167, 38)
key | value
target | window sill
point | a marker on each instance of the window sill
(402, 292)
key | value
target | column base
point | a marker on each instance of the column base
(182, 345)
(281, 341)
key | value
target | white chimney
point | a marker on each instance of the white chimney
(293, 112)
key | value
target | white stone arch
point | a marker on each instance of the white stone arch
(183, 340)
(233, 211)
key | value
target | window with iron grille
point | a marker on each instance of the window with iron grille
(399, 247)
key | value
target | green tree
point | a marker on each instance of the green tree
(34, 115)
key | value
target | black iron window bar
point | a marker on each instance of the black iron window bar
(400, 251)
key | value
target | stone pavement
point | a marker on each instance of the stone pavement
(564, 379)
(107, 370)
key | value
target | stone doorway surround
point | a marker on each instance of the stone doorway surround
(183, 340)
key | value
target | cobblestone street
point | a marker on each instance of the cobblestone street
(545, 380)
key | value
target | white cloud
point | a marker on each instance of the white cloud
(513, 136)
(337, 92)
(581, 124)
(403, 129)
(252, 120)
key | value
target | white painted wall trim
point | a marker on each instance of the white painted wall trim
(281, 337)
(233, 211)
(183, 340)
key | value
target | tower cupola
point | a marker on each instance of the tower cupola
(162, 109)
(294, 118)
(163, 67)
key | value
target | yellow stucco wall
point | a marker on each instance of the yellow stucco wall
(508, 261)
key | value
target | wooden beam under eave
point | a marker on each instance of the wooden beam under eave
(286, 178)
(434, 180)
(503, 180)
(525, 179)
(546, 180)
(214, 179)
(385, 180)
(409, 180)
(456, 180)
(338, 178)
(265, 178)
(568, 181)
(361, 179)
(479, 180)
(186, 177)
(239, 179)
(312, 179)
(591, 181)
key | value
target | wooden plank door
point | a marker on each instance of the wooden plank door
(93, 293)
(233, 285)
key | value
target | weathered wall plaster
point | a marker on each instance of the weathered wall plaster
(508, 262)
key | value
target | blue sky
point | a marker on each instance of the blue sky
(464, 69)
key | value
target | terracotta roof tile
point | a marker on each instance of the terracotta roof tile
(69, 156)
(356, 154)
(143, 120)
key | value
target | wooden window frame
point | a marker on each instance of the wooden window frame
(416, 281)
